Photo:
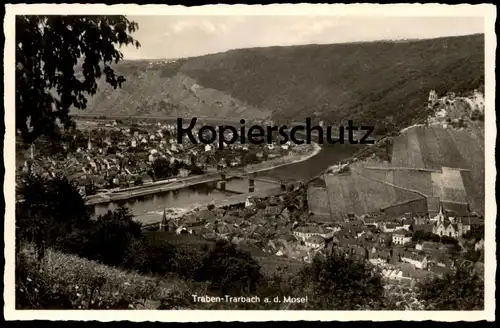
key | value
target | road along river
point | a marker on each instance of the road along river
(150, 207)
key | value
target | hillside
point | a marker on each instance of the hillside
(385, 81)
(442, 160)
(73, 280)
(151, 90)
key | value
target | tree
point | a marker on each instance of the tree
(449, 240)
(230, 270)
(476, 233)
(461, 289)
(112, 237)
(47, 50)
(337, 282)
(50, 208)
(162, 169)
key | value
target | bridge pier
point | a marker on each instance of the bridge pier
(251, 185)
(223, 182)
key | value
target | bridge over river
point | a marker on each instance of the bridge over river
(170, 185)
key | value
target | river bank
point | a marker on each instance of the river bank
(304, 154)
(309, 152)
(312, 150)
(154, 217)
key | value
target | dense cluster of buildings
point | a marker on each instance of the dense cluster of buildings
(404, 247)
(113, 155)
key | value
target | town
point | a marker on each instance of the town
(406, 248)
(249, 163)
(102, 155)
(407, 240)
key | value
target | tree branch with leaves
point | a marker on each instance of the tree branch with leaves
(58, 62)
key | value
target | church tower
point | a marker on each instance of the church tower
(164, 222)
(89, 144)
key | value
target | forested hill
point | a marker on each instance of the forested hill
(375, 81)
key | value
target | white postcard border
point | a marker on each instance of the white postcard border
(415, 10)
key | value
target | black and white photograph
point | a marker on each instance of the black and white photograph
(277, 158)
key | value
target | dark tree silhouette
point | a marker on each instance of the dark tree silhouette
(336, 282)
(48, 49)
(163, 169)
(461, 289)
(112, 237)
(230, 270)
(50, 208)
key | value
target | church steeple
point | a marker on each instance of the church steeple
(32, 151)
(89, 145)
(164, 222)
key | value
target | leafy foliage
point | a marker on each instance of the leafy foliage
(461, 289)
(51, 208)
(111, 237)
(421, 235)
(69, 282)
(476, 233)
(337, 282)
(230, 270)
(47, 50)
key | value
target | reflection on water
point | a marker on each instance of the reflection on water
(204, 193)
(179, 198)
(329, 155)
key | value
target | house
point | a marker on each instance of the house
(420, 219)
(145, 179)
(350, 248)
(391, 227)
(437, 258)
(306, 232)
(418, 260)
(383, 238)
(439, 270)
(183, 230)
(370, 221)
(479, 245)
(183, 172)
(315, 242)
(379, 257)
(423, 227)
(401, 237)
(272, 211)
(395, 274)
(249, 202)
(427, 246)
(408, 224)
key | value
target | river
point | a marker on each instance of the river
(204, 193)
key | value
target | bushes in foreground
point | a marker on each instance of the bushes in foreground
(461, 289)
(62, 281)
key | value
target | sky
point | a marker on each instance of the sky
(174, 36)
